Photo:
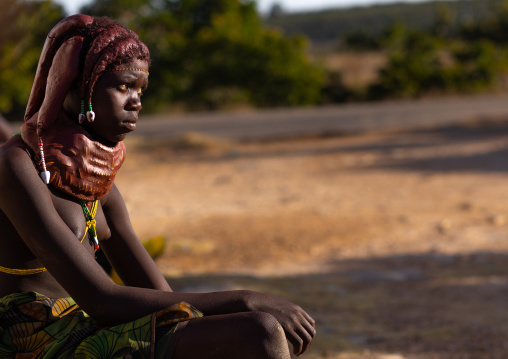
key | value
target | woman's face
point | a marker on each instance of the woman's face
(116, 101)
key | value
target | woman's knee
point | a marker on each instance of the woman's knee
(266, 326)
(269, 334)
(250, 335)
(266, 336)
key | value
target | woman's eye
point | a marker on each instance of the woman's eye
(123, 87)
(140, 92)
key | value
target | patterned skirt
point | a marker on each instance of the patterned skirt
(35, 326)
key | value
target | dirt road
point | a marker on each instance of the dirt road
(328, 120)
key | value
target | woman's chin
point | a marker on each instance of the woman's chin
(112, 142)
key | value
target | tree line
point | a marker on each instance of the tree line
(446, 57)
(330, 25)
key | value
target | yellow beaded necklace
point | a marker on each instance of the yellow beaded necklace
(90, 210)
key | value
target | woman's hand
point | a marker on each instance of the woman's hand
(298, 326)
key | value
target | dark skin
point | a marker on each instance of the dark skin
(41, 227)
(5, 130)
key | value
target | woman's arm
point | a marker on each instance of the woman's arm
(124, 250)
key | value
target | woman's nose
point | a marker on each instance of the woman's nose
(134, 103)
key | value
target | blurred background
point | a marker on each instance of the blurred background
(212, 55)
(350, 156)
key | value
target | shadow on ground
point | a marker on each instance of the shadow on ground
(494, 160)
(423, 306)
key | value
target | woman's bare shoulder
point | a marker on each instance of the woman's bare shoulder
(14, 148)
(19, 178)
(15, 157)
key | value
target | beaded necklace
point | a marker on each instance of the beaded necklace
(90, 222)
(89, 210)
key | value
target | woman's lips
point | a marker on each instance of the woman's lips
(130, 124)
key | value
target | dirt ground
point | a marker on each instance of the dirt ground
(396, 243)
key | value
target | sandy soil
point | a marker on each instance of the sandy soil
(396, 243)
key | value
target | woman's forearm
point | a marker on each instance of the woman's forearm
(125, 304)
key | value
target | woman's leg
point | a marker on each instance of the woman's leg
(250, 335)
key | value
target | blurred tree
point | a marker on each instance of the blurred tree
(445, 21)
(414, 64)
(276, 10)
(477, 66)
(25, 25)
(213, 53)
(360, 41)
(492, 28)
(334, 89)
(420, 62)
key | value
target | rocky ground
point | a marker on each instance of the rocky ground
(396, 243)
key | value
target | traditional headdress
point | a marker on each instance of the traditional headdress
(67, 157)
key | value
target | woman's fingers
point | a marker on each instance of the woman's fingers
(309, 318)
(307, 334)
(308, 323)
(301, 332)
(310, 328)
(300, 338)
(299, 327)
(296, 341)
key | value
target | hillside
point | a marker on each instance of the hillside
(327, 26)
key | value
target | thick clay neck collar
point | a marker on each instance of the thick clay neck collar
(78, 166)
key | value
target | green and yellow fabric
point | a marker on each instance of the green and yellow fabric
(35, 326)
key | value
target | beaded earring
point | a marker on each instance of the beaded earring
(82, 116)
(90, 115)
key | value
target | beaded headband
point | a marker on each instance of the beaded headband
(130, 69)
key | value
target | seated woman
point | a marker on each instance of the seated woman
(58, 204)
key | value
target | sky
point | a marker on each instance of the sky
(72, 6)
